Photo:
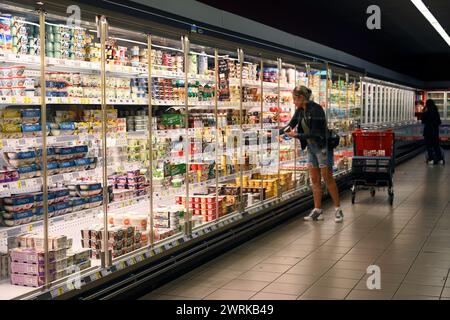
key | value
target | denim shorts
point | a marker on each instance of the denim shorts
(320, 158)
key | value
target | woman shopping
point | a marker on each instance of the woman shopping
(432, 120)
(311, 129)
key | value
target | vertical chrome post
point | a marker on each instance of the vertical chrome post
(262, 133)
(44, 160)
(295, 139)
(280, 66)
(150, 135)
(106, 262)
(186, 48)
(216, 106)
(241, 147)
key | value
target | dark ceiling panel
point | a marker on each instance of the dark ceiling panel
(406, 42)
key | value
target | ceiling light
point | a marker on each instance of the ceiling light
(430, 17)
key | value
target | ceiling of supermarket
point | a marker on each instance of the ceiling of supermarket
(406, 42)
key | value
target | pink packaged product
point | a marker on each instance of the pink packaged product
(29, 280)
(8, 176)
(27, 255)
(133, 174)
(31, 269)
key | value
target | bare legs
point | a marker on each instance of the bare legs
(326, 173)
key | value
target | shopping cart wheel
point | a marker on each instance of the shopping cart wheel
(353, 188)
(391, 196)
(372, 192)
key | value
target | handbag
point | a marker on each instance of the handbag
(333, 139)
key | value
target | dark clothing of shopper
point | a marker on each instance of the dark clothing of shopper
(314, 122)
(432, 120)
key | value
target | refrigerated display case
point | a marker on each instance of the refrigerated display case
(120, 143)
(387, 104)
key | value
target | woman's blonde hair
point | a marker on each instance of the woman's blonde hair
(302, 91)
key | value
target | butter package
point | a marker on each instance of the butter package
(95, 201)
(81, 255)
(18, 203)
(30, 171)
(62, 208)
(11, 219)
(31, 116)
(33, 130)
(22, 158)
(54, 243)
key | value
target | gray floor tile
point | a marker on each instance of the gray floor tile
(260, 276)
(286, 288)
(282, 260)
(225, 294)
(333, 282)
(271, 267)
(297, 279)
(326, 292)
(273, 296)
(369, 295)
(197, 292)
(414, 289)
(249, 285)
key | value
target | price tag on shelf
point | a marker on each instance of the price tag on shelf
(131, 261)
(122, 265)
(167, 246)
(158, 250)
(96, 276)
(70, 286)
(27, 228)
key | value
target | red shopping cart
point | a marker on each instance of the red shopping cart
(373, 163)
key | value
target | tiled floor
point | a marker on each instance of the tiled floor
(410, 242)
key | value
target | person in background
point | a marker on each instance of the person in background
(432, 120)
(311, 129)
(419, 109)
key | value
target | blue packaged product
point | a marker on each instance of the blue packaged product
(95, 201)
(18, 203)
(18, 218)
(90, 186)
(27, 172)
(50, 153)
(31, 115)
(78, 204)
(81, 149)
(66, 166)
(62, 195)
(39, 212)
(67, 126)
(52, 168)
(22, 155)
(82, 164)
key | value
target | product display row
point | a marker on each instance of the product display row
(136, 159)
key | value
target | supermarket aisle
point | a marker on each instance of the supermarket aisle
(324, 260)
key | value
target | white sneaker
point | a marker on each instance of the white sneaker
(315, 215)
(431, 162)
(339, 216)
(441, 162)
